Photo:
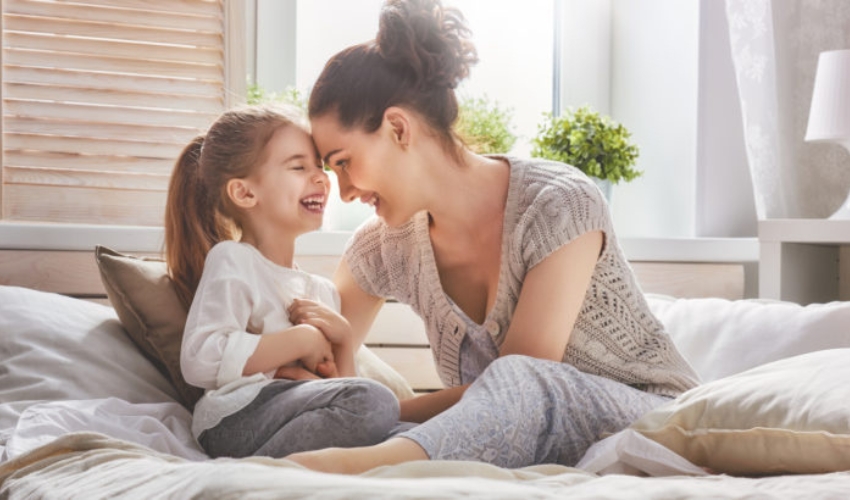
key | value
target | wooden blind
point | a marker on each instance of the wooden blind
(100, 96)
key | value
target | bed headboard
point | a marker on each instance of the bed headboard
(398, 335)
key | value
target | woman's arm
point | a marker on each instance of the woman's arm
(421, 408)
(358, 307)
(550, 300)
(549, 303)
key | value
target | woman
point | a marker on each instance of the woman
(537, 324)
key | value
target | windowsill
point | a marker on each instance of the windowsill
(83, 237)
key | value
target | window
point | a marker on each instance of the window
(100, 97)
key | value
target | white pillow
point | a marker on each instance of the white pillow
(722, 337)
(56, 348)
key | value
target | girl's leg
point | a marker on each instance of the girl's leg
(293, 416)
(520, 411)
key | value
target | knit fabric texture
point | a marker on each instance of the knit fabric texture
(548, 205)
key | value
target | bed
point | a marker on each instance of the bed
(90, 405)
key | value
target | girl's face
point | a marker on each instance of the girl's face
(291, 186)
(366, 167)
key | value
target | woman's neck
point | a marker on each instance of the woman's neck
(468, 196)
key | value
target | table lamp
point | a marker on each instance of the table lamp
(829, 116)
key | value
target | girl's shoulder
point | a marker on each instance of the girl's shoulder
(227, 250)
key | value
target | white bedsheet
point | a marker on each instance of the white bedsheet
(165, 428)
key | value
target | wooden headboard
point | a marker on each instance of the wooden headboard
(398, 335)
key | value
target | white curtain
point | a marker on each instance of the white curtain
(775, 46)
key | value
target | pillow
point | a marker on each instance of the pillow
(145, 300)
(146, 303)
(788, 416)
(721, 337)
(57, 348)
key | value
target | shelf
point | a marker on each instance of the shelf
(804, 260)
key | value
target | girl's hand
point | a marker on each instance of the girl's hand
(325, 369)
(335, 327)
(315, 347)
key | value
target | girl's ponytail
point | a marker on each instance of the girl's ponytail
(192, 225)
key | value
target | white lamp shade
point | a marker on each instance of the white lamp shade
(829, 116)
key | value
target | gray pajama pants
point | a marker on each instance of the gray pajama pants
(289, 416)
(523, 411)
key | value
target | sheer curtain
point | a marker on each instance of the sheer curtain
(775, 46)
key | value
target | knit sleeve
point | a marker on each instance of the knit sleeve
(564, 208)
(365, 258)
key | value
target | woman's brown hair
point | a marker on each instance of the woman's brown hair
(198, 211)
(419, 56)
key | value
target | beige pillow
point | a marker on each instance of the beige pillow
(147, 305)
(788, 416)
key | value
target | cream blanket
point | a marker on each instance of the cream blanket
(91, 466)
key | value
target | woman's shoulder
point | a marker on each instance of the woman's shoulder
(375, 235)
(551, 187)
(533, 175)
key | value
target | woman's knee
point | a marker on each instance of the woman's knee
(512, 365)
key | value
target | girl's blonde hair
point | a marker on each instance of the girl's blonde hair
(198, 211)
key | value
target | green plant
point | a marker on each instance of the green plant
(290, 95)
(594, 144)
(484, 125)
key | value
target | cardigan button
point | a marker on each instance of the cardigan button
(492, 327)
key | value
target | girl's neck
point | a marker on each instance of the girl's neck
(278, 247)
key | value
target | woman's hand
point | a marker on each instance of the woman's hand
(335, 327)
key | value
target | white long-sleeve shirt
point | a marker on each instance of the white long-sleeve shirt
(241, 296)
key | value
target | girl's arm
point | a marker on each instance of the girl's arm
(336, 328)
(549, 302)
(217, 350)
(304, 343)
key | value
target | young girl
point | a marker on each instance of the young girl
(238, 198)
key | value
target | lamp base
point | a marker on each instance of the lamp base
(843, 212)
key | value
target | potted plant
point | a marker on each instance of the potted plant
(595, 144)
(484, 125)
(257, 94)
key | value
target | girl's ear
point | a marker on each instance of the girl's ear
(398, 122)
(240, 193)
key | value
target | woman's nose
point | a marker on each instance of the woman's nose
(347, 191)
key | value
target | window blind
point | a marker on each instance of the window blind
(100, 96)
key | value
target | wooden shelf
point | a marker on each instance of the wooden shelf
(804, 260)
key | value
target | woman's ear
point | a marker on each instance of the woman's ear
(397, 121)
(240, 193)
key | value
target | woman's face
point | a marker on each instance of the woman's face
(368, 167)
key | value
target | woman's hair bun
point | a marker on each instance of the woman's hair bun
(427, 41)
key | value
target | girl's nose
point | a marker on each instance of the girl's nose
(322, 177)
